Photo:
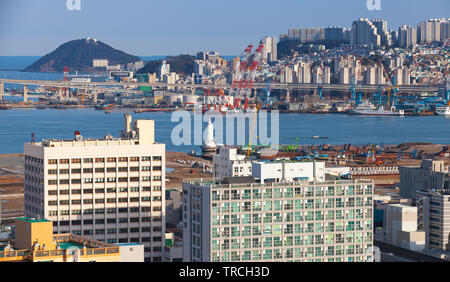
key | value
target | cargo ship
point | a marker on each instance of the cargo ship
(370, 109)
(104, 107)
(443, 110)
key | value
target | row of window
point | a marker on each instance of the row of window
(102, 160)
(300, 204)
(269, 242)
(115, 210)
(102, 169)
(110, 220)
(288, 217)
(109, 201)
(290, 253)
(278, 229)
(269, 193)
(102, 190)
(110, 230)
(102, 180)
(101, 211)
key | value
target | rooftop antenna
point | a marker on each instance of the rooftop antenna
(33, 140)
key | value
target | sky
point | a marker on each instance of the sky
(172, 27)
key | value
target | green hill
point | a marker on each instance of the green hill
(78, 56)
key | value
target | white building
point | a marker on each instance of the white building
(228, 163)
(321, 75)
(403, 76)
(400, 222)
(288, 171)
(108, 189)
(164, 69)
(99, 63)
(270, 48)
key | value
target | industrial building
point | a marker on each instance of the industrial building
(429, 175)
(108, 189)
(434, 217)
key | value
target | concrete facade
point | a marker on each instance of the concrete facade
(301, 221)
(429, 175)
(228, 163)
(401, 227)
(107, 189)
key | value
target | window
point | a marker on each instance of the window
(76, 161)
(99, 169)
(111, 160)
(123, 159)
(64, 161)
(87, 160)
(99, 160)
(52, 161)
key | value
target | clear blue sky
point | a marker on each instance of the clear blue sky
(170, 27)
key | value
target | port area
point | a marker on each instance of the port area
(11, 186)
(182, 165)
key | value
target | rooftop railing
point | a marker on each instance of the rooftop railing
(215, 183)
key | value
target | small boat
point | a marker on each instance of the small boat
(60, 107)
(41, 107)
(193, 153)
(4, 106)
(104, 107)
(443, 110)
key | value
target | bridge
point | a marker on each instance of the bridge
(124, 87)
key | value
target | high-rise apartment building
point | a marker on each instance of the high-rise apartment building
(270, 48)
(280, 221)
(364, 32)
(305, 34)
(108, 189)
(383, 32)
(407, 36)
(430, 30)
(334, 33)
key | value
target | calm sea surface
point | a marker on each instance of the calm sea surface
(16, 125)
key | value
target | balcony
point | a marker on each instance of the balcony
(89, 250)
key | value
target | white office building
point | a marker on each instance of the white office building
(228, 163)
(108, 189)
